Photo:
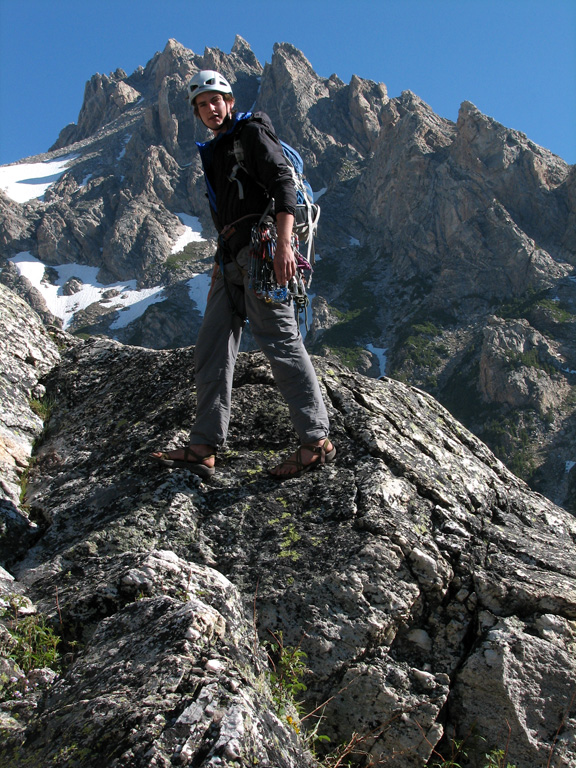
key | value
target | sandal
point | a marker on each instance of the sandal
(322, 457)
(192, 461)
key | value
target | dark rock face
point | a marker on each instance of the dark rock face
(433, 593)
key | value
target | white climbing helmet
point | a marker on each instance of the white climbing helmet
(207, 80)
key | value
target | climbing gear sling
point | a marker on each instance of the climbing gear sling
(262, 278)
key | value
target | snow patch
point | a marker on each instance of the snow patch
(64, 307)
(123, 150)
(380, 353)
(318, 195)
(29, 181)
(192, 232)
(133, 303)
(309, 314)
(198, 288)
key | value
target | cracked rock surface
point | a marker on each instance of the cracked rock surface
(433, 593)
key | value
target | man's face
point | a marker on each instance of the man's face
(213, 109)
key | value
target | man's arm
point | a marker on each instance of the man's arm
(284, 262)
(265, 162)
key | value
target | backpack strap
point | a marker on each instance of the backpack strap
(238, 150)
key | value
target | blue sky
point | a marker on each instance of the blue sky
(514, 59)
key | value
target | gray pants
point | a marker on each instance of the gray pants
(276, 332)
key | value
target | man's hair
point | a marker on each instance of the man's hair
(225, 96)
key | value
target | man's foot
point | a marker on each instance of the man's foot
(198, 459)
(306, 458)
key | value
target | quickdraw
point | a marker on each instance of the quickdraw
(261, 270)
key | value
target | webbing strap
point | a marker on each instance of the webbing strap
(234, 177)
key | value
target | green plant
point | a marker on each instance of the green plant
(348, 170)
(420, 347)
(24, 479)
(457, 753)
(287, 670)
(497, 758)
(530, 359)
(348, 356)
(34, 643)
(43, 407)
(355, 310)
(291, 536)
(559, 311)
(520, 306)
(193, 252)
(510, 440)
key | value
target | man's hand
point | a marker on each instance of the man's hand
(284, 261)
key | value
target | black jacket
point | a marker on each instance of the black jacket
(267, 175)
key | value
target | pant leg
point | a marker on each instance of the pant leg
(215, 357)
(276, 332)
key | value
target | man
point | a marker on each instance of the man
(238, 198)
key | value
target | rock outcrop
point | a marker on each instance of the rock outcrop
(28, 354)
(433, 593)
